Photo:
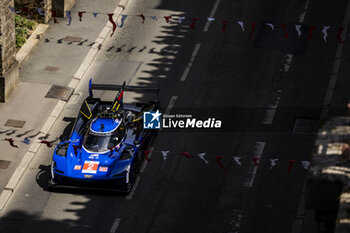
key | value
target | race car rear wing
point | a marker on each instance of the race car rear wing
(112, 87)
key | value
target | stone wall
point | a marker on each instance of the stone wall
(9, 74)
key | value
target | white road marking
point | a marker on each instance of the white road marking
(171, 104)
(145, 162)
(115, 225)
(258, 151)
(206, 27)
(336, 67)
(131, 194)
(189, 65)
(270, 112)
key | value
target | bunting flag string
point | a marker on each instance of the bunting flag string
(180, 20)
(237, 159)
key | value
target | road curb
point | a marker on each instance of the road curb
(32, 41)
(19, 172)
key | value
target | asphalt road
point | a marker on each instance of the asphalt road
(228, 79)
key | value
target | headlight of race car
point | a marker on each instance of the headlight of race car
(62, 149)
(125, 155)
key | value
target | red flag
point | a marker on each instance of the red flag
(186, 154)
(143, 18)
(146, 153)
(80, 14)
(194, 20)
(10, 140)
(53, 12)
(255, 161)
(340, 30)
(167, 18)
(311, 29)
(218, 161)
(48, 144)
(252, 30)
(224, 24)
(291, 163)
(284, 26)
(110, 17)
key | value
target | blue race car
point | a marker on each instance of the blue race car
(106, 145)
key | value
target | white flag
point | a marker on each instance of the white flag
(325, 33)
(237, 160)
(210, 19)
(305, 164)
(273, 163)
(241, 24)
(181, 18)
(201, 155)
(298, 27)
(271, 26)
(165, 154)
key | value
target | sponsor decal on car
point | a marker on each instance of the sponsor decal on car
(77, 167)
(90, 167)
(103, 169)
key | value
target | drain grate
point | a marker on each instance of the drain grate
(15, 123)
(4, 164)
(275, 39)
(59, 92)
(73, 39)
(304, 126)
(52, 68)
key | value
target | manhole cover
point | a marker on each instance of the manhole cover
(73, 39)
(4, 164)
(58, 92)
(304, 126)
(15, 123)
(275, 39)
(52, 68)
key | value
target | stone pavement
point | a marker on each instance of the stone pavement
(54, 68)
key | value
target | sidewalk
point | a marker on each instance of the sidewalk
(60, 58)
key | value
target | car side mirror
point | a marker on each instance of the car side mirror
(63, 138)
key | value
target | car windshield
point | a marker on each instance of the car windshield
(100, 142)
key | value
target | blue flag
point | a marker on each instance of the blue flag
(69, 17)
(122, 20)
